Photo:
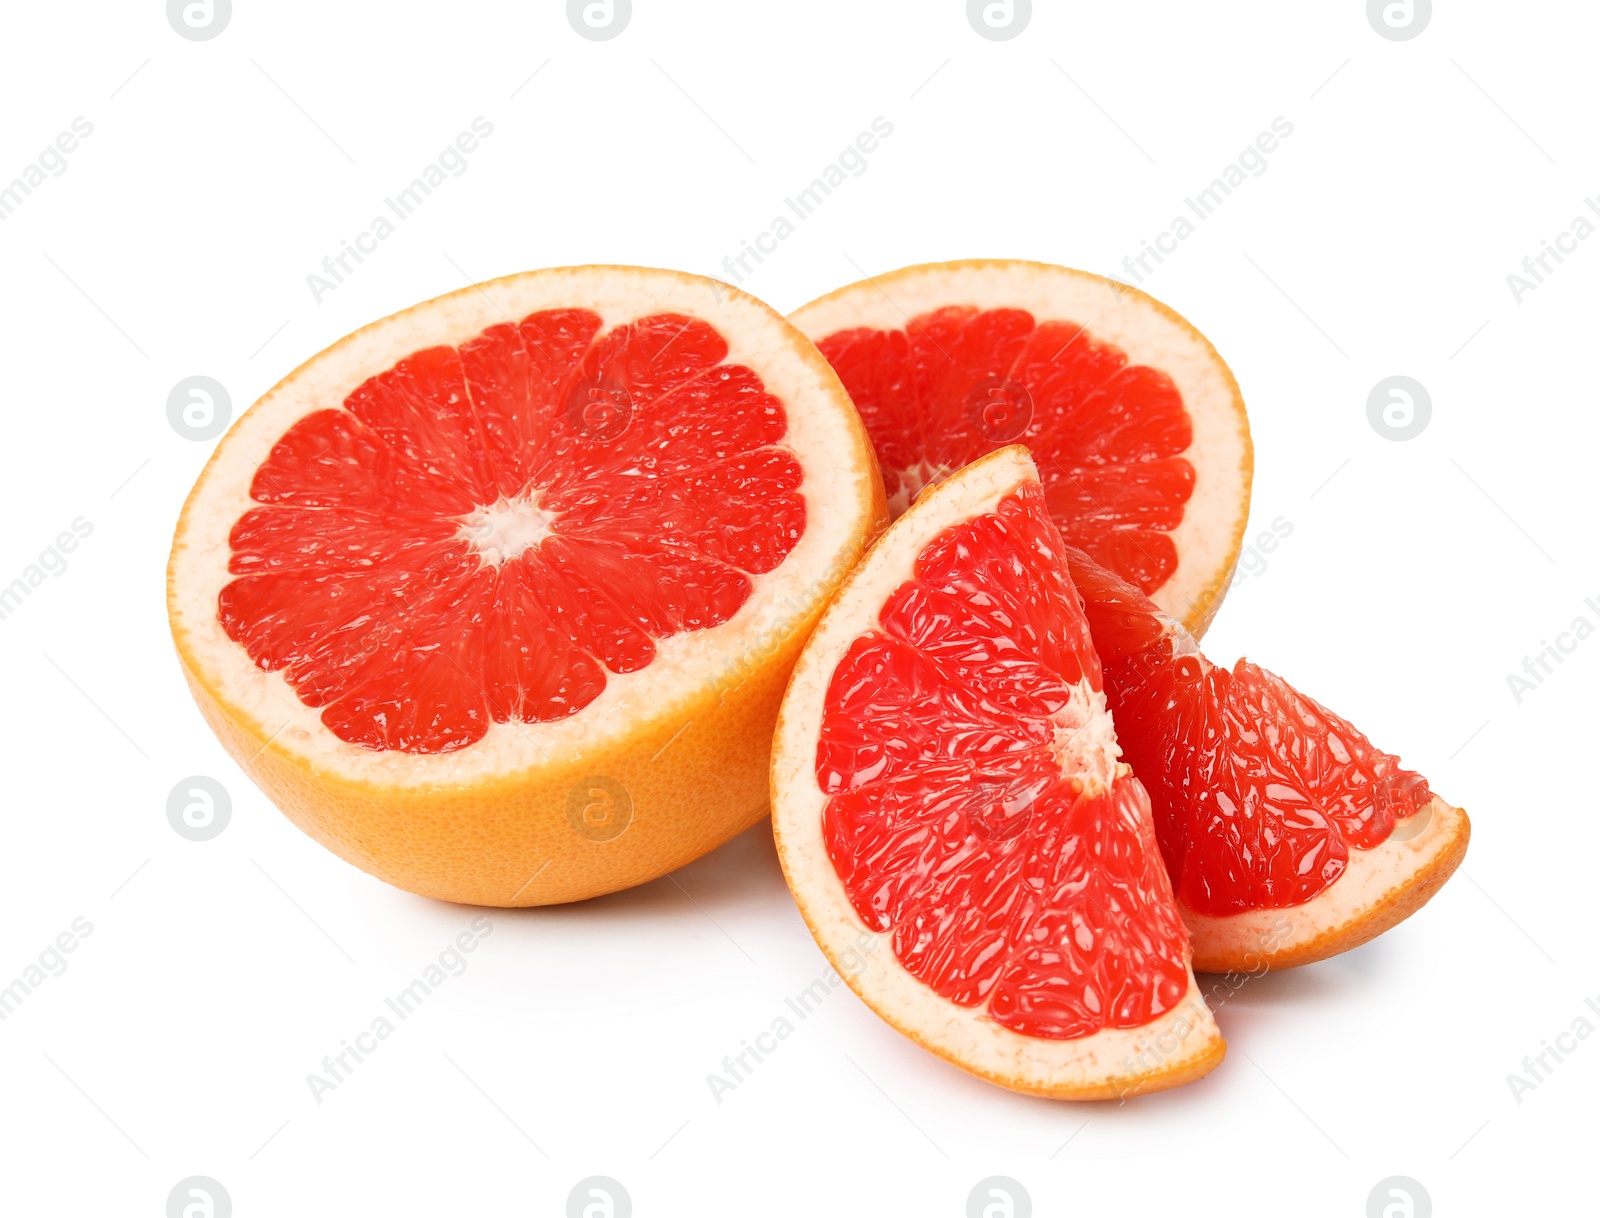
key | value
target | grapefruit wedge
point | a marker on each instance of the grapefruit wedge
(1135, 422)
(496, 597)
(1289, 837)
(954, 823)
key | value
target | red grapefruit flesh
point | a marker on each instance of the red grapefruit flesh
(1135, 422)
(497, 596)
(1288, 835)
(953, 820)
(524, 514)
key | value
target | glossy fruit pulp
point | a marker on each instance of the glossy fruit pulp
(1108, 436)
(1259, 793)
(483, 532)
(972, 810)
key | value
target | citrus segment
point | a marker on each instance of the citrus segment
(945, 781)
(1264, 799)
(1133, 419)
(567, 528)
(975, 813)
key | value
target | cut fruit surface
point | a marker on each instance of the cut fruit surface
(541, 545)
(1135, 422)
(482, 533)
(1287, 834)
(954, 822)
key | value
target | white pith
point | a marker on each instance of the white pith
(1214, 518)
(913, 482)
(1085, 741)
(1369, 879)
(505, 528)
(819, 430)
(1112, 1061)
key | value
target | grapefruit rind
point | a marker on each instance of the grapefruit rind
(1180, 1045)
(1379, 889)
(1211, 534)
(687, 738)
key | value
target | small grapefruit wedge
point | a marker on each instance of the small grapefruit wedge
(496, 598)
(954, 823)
(1135, 422)
(1289, 837)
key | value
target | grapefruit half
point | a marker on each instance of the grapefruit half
(954, 823)
(1136, 424)
(496, 597)
(1289, 837)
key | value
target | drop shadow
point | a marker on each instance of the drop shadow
(546, 958)
(741, 874)
(1239, 1001)
(690, 932)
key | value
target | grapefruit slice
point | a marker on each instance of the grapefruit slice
(954, 823)
(496, 597)
(1135, 422)
(1289, 837)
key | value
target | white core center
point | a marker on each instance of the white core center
(505, 529)
(1085, 740)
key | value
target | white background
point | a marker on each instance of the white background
(1417, 575)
